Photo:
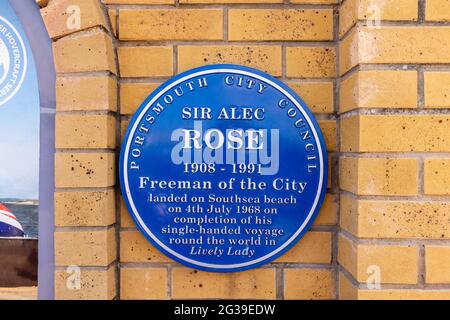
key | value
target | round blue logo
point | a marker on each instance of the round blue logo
(13, 61)
(223, 168)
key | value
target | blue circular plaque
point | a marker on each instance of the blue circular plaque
(223, 168)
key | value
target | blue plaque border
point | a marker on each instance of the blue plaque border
(297, 101)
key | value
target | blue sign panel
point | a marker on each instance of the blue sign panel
(223, 168)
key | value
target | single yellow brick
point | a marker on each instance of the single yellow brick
(379, 89)
(349, 173)
(329, 131)
(253, 284)
(138, 62)
(347, 290)
(437, 89)
(349, 93)
(83, 52)
(60, 17)
(404, 294)
(310, 62)
(74, 131)
(379, 176)
(328, 212)
(132, 95)
(85, 248)
(318, 96)
(314, 247)
(349, 51)
(348, 16)
(437, 264)
(125, 218)
(162, 24)
(309, 284)
(85, 208)
(395, 264)
(266, 58)
(143, 283)
(139, 1)
(123, 126)
(348, 218)
(280, 24)
(370, 10)
(437, 10)
(395, 219)
(350, 129)
(395, 133)
(394, 10)
(134, 247)
(404, 45)
(112, 14)
(84, 170)
(94, 284)
(86, 93)
(437, 176)
(348, 255)
(229, 1)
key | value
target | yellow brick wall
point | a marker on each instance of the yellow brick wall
(379, 91)
(293, 41)
(394, 144)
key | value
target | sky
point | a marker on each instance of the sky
(19, 131)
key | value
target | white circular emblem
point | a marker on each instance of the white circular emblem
(13, 61)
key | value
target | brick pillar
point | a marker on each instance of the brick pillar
(395, 141)
(85, 169)
(294, 41)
